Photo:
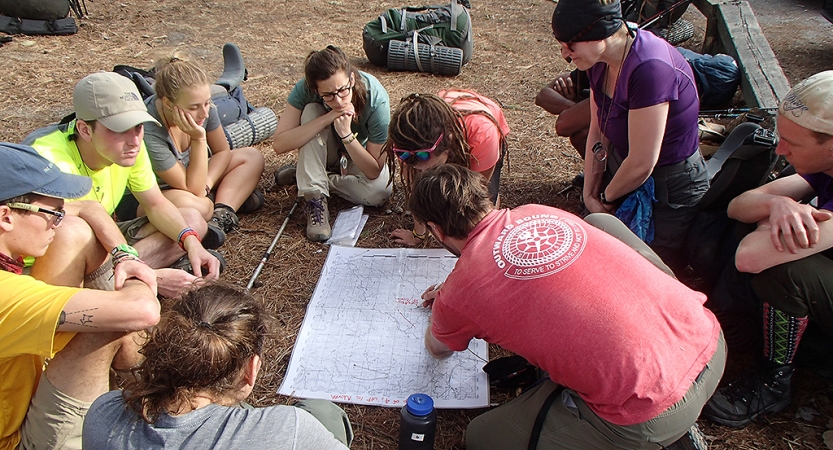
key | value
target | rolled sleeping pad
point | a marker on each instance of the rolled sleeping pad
(434, 59)
(258, 126)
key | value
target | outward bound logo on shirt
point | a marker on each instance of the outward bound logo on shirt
(538, 246)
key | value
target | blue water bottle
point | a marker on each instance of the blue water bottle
(419, 423)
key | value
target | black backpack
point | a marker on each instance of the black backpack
(443, 25)
(40, 17)
(744, 161)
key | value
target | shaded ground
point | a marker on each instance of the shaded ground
(514, 55)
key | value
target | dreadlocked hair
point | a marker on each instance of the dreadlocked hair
(416, 124)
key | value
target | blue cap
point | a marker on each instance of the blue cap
(24, 171)
(420, 404)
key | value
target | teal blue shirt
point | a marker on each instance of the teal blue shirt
(373, 122)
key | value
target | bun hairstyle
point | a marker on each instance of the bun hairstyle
(201, 344)
(322, 64)
(175, 72)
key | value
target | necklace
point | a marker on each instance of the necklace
(82, 166)
(599, 150)
(96, 189)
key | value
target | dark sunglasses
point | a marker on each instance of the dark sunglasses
(58, 213)
(421, 154)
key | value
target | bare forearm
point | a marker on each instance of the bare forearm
(196, 175)
(553, 102)
(627, 179)
(102, 224)
(296, 137)
(436, 348)
(363, 159)
(133, 308)
(217, 166)
(750, 207)
(167, 219)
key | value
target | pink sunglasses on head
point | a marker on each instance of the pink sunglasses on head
(422, 154)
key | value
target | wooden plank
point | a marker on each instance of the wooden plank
(763, 81)
(711, 39)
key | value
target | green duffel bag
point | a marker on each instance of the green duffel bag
(444, 25)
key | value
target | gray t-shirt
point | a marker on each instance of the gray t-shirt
(161, 149)
(110, 424)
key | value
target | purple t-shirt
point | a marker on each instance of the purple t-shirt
(823, 185)
(654, 72)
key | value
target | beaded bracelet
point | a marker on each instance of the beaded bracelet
(184, 235)
(120, 257)
(349, 138)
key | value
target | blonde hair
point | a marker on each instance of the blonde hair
(175, 72)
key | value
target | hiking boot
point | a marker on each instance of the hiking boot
(578, 181)
(285, 176)
(224, 219)
(253, 203)
(214, 236)
(692, 440)
(753, 394)
(185, 264)
(318, 217)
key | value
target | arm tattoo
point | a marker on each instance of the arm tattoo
(80, 318)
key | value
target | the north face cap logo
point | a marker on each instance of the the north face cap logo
(130, 97)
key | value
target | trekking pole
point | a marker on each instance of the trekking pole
(268, 253)
(711, 112)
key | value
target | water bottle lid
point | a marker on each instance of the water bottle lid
(420, 404)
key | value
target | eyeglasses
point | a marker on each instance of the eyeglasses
(421, 154)
(341, 92)
(58, 213)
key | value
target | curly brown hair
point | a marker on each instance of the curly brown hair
(201, 344)
(451, 196)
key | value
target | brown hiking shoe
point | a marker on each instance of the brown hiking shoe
(318, 217)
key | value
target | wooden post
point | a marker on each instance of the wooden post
(733, 28)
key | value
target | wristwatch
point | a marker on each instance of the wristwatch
(604, 199)
(124, 248)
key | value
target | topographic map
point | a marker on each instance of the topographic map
(362, 337)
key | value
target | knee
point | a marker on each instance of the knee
(204, 206)
(252, 158)
(311, 112)
(74, 233)
(378, 198)
(603, 221)
(194, 219)
(477, 436)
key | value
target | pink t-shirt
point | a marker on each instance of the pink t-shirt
(482, 135)
(580, 304)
